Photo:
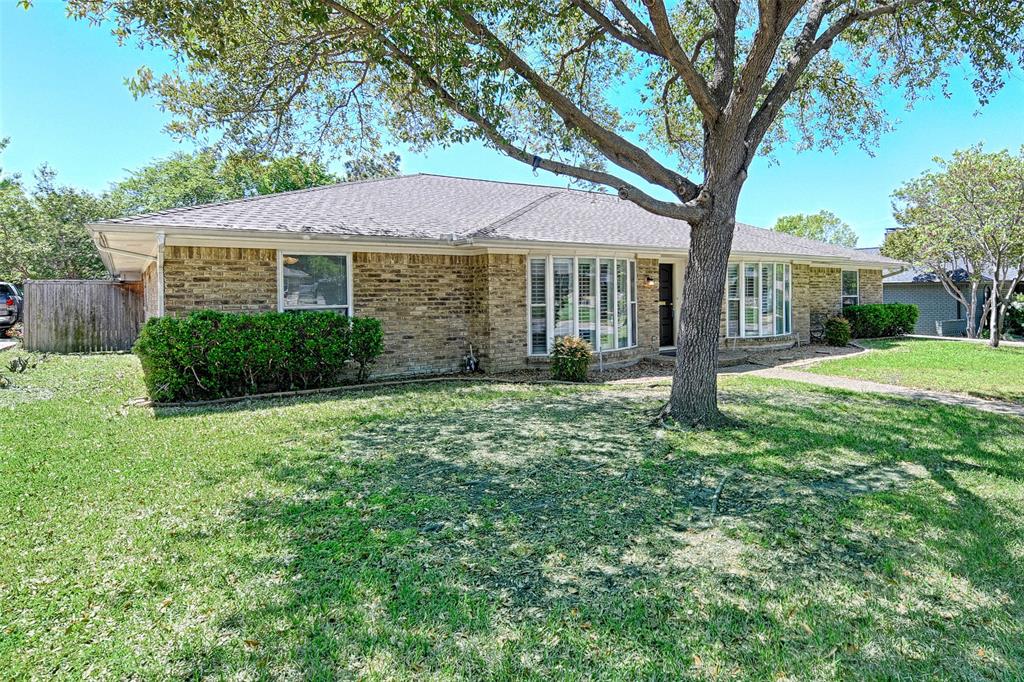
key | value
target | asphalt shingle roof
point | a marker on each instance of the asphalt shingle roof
(436, 207)
(913, 275)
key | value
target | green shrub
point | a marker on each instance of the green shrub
(367, 343)
(837, 331)
(217, 355)
(570, 359)
(1014, 322)
(881, 319)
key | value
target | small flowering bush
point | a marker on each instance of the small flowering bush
(570, 359)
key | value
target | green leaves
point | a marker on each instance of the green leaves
(969, 211)
(215, 355)
(42, 230)
(823, 226)
(202, 177)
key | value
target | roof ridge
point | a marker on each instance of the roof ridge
(522, 184)
(185, 209)
(491, 227)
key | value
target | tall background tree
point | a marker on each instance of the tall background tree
(190, 179)
(667, 104)
(42, 233)
(42, 229)
(824, 226)
(968, 214)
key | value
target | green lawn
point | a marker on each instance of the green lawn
(456, 531)
(952, 366)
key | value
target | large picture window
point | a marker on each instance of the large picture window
(758, 300)
(593, 298)
(315, 282)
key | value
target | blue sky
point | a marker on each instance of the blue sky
(63, 101)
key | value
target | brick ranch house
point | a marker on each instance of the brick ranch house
(447, 262)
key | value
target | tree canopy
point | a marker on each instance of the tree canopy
(582, 88)
(42, 228)
(964, 221)
(824, 226)
(190, 179)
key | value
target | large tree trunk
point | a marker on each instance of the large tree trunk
(694, 399)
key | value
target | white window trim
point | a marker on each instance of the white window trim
(549, 293)
(842, 294)
(349, 307)
(742, 297)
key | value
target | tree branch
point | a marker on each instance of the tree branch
(688, 211)
(809, 44)
(694, 81)
(617, 149)
(634, 41)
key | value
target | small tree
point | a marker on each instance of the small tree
(965, 221)
(665, 103)
(824, 226)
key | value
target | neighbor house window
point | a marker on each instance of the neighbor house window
(593, 298)
(851, 287)
(758, 300)
(315, 282)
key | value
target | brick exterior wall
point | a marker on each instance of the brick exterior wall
(501, 333)
(800, 281)
(824, 292)
(150, 306)
(870, 286)
(229, 279)
(647, 318)
(429, 306)
(934, 306)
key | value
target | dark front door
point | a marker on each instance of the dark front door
(666, 308)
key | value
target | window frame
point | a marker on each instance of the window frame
(348, 308)
(630, 267)
(756, 329)
(842, 290)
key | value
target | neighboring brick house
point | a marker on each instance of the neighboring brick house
(447, 262)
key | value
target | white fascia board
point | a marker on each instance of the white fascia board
(183, 236)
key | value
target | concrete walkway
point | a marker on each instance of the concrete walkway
(5, 344)
(956, 399)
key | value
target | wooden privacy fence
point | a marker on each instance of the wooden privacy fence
(82, 315)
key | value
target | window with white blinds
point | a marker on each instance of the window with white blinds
(758, 300)
(593, 298)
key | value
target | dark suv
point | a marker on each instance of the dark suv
(10, 307)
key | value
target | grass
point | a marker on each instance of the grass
(505, 532)
(951, 366)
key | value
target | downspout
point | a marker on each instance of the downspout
(160, 240)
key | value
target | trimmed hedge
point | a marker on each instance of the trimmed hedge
(570, 359)
(211, 355)
(881, 319)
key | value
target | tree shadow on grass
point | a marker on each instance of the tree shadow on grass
(558, 535)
